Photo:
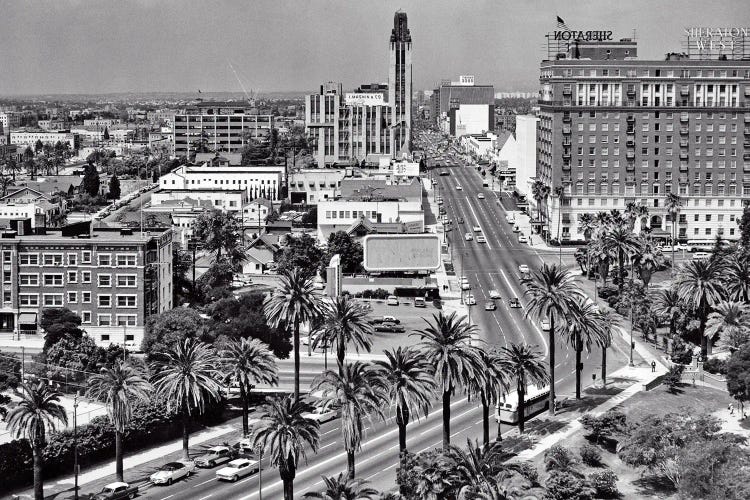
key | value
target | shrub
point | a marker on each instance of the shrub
(603, 428)
(527, 470)
(590, 455)
(374, 294)
(559, 458)
(673, 378)
(563, 485)
(605, 484)
(607, 291)
(716, 365)
(682, 352)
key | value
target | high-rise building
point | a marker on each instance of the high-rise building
(399, 83)
(614, 129)
(463, 107)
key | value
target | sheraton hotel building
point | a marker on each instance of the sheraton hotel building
(615, 129)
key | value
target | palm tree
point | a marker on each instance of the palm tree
(119, 387)
(601, 258)
(358, 391)
(647, 261)
(609, 321)
(343, 488)
(699, 285)
(540, 191)
(477, 467)
(737, 279)
(446, 342)
(282, 432)
(294, 302)
(186, 377)
(37, 413)
(587, 225)
(673, 203)
(525, 364)
(667, 304)
(635, 212)
(410, 385)
(491, 388)
(583, 328)
(731, 319)
(560, 195)
(247, 362)
(345, 321)
(552, 293)
(620, 241)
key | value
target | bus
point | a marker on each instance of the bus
(537, 400)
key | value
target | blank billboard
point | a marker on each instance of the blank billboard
(401, 252)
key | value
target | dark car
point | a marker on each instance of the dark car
(514, 302)
(390, 328)
(460, 220)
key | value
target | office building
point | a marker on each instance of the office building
(614, 129)
(218, 127)
(10, 119)
(400, 83)
(258, 181)
(463, 107)
(30, 138)
(112, 278)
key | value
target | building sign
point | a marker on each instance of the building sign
(466, 80)
(582, 36)
(714, 42)
(364, 99)
(401, 252)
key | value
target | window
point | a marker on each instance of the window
(72, 259)
(53, 259)
(86, 257)
(86, 297)
(29, 279)
(126, 301)
(29, 259)
(126, 319)
(28, 299)
(104, 300)
(85, 276)
(72, 297)
(86, 317)
(104, 259)
(53, 299)
(104, 319)
(7, 257)
(104, 280)
(53, 280)
(126, 280)
(72, 277)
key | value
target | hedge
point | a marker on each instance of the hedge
(151, 424)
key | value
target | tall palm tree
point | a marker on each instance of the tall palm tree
(446, 342)
(38, 412)
(609, 320)
(490, 389)
(345, 321)
(601, 258)
(647, 261)
(699, 285)
(587, 225)
(293, 302)
(342, 487)
(540, 191)
(410, 385)
(186, 377)
(246, 363)
(635, 212)
(730, 318)
(620, 241)
(560, 195)
(282, 432)
(525, 364)
(119, 387)
(737, 279)
(552, 293)
(667, 304)
(583, 329)
(477, 467)
(673, 204)
(359, 392)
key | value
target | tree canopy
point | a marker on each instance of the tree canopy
(350, 251)
(164, 330)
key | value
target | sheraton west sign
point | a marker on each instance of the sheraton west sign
(705, 38)
(597, 35)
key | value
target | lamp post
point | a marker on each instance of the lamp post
(632, 325)
(75, 446)
(260, 473)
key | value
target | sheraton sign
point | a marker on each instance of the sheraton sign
(587, 36)
(704, 38)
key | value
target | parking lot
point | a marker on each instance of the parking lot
(410, 318)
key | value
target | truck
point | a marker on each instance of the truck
(116, 491)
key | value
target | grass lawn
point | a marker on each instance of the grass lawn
(632, 484)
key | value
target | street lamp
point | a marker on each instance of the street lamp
(260, 472)
(75, 445)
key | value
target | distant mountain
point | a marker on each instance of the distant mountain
(153, 96)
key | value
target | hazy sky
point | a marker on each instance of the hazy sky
(92, 46)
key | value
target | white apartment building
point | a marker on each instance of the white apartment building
(258, 181)
(9, 120)
(230, 200)
(30, 138)
(312, 186)
(524, 162)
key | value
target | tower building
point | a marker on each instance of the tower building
(399, 83)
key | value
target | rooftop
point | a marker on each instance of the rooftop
(376, 189)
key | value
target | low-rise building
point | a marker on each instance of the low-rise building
(229, 200)
(10, 119)
(310, 186)
(258, 181)
(30, 138)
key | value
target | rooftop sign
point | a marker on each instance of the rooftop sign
(708, 43)
(401, 252)
(365, 98)
(585, 36)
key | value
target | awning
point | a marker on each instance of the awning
(660, 233)
(27, 319)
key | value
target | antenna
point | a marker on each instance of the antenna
(239, 81)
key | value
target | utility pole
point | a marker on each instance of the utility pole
(75, 446)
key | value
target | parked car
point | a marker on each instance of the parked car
(494, 294)
(460, 220)
(522, 238)
(510, 219)
(490, 305)
(392, 300)
(514, 302)
(215, 456)
(321, 415)
(444, 172)
(477, 229)
(172, 471)
(419, 302)
(391, 319)
(465, 286)
(237, 469)
(523, 269)
(545, 325)
(481, 239)
(516, 229)
(470, 300)
(468, 236)
(390, 328)
(116, 491)
(458, 187)
(480, 196)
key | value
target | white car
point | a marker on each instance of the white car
(494, 294)
(510, 219)
(480, 196)
(321, 415)
(522, 238)
(470, 300)
(477, 229)
(701, 256)
(459, 188)
(468, 236)
(465, 286)
(392, 300)
(464, 279)
(172, 471)
(237, 469)
(214, 456)
(545, 325)
(481, 239)
(523, 269)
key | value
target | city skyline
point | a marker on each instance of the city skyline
(76, 47)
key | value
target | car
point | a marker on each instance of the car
(238, 468)
(172, 471)
(468, 236)
(434, 182)
(390, 319)
(321, 414)
(465, 286)
(459, 188)
(514, 302)
(392, 300)
(490, 305)
(545, 325)
(701, 256)
(460, 220)
(510, 219)
(443, 172)
(481, 239)
(470, 300)
(214, 456)
(523, 269)
(494, 294)
(116, 491)
(522, 238)
(516, 229)
(389, 328)
(477, 229)
(480, 196)
(419, 302)
(439, 201)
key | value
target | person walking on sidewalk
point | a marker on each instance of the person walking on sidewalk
(653, 367)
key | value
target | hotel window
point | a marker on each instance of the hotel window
(86, 297)
(53, 280)
(126, 280)
(126, 320)
(72, 259)
(104, 300)
(29, 279)
(126, 301)
(104, 259)
(85, 276)
(53, 259)
(28, 299)
(104, 319)
(126, 260)
(72, 297)
(86, 257)
(29, 259)
(53, 299)
(7, 257)
(104, 280)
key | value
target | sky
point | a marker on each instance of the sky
(107, 46)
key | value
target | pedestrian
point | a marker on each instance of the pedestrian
(653, 366)
(731, 409)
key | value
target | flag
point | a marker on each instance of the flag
(199, 91)
(561, 23)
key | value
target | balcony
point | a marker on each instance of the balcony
(747, 130)
(630, 167)
(684, 91)
(566, 168)
(683, 156)
(683, 167)
(631, 92)
(683, 118)
(746, 156)
(684, 143)
(566, 119)
(684, 131)
(630, 119)
(630, 155)
(567, 91)
(630, 144)
(630, 131)
(566, 130)
(747, 90)
(747, 118)
(566, 155)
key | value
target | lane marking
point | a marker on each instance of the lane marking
(204, 482)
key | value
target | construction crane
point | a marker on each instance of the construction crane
(249, 96)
